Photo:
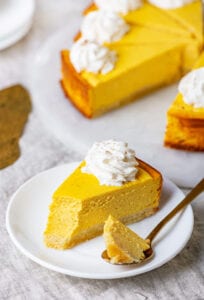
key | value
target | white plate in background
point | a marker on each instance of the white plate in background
(13, 38)
(15, 20)
(27, 216)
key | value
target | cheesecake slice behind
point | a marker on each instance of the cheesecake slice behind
(185, 123)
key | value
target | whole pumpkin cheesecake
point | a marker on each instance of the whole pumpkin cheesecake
(107, 65)
(185, 117)
(109, 181)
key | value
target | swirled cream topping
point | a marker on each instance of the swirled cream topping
(111, 162)
(92, 57)
(192, 88)
(170, 4)
(103, 26)
(119, 6)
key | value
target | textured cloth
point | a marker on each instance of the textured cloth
(20, 278)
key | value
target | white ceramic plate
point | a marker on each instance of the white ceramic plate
(141, 123)
(27, 216)
(15, 20)
(15, 37)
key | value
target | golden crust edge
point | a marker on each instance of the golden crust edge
(82, 84)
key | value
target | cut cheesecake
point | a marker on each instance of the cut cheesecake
(185, 126)
(81, 205)
(185, 123)
(123, 245)
(156, 42)
(94, 94)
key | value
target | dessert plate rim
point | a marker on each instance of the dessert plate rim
(24, 14)
(19, 228)
(16, 36)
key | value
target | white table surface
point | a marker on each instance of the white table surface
(20, 278)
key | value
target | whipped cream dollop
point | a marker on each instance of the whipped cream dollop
(111, 162)
(170, 4)
(119, 6)
(92, 57)
(192, 88)
(103, 26)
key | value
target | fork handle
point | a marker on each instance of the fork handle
(199, 188)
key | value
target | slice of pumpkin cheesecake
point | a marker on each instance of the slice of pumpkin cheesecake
(109, 181)
(185, 116)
